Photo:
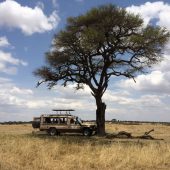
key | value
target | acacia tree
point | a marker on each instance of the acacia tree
(106, 41)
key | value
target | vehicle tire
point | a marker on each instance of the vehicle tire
(87, 132)
(52, 131)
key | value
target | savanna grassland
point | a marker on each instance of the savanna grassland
(22, 150)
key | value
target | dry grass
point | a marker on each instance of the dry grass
(19, 149)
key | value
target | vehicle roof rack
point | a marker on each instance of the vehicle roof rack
(54, 115)
(60, 110)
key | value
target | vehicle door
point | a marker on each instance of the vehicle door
(74, 125)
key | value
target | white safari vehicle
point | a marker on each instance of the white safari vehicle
(62, 122)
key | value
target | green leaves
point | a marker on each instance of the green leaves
(106, 41)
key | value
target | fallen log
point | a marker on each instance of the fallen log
(147, 133)
(146, 137)
(121, 134)
(127, 135)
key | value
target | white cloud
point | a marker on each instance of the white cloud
(15, 100)
(148, 99)
(7, 57)
(136, 106)
(164, 66)
(4, 80)
(16, 90)
(4, 42)
(29, 20)
(67, 93)
(26, 103)
(8, 63)
(157, 81)
(126, 101)
(12, 95)
(153, 10)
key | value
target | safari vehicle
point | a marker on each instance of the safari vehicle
(58, 123)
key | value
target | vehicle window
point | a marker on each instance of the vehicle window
(55, 120)
(63, 120)
(72, 121)
(36, 119)
(47, 120)
(78, 120)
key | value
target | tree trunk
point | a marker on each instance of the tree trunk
(100, 117)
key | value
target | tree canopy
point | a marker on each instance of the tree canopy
(106, 41)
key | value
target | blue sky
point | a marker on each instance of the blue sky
(26, 32)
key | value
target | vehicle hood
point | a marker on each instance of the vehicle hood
(89, 124)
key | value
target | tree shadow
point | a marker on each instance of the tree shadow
(79, 139)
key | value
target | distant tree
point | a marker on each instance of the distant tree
(105, 42)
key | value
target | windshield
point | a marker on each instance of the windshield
(78, 120)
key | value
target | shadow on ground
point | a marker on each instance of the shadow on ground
(92, 140)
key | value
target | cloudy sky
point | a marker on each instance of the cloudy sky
(26, 32)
